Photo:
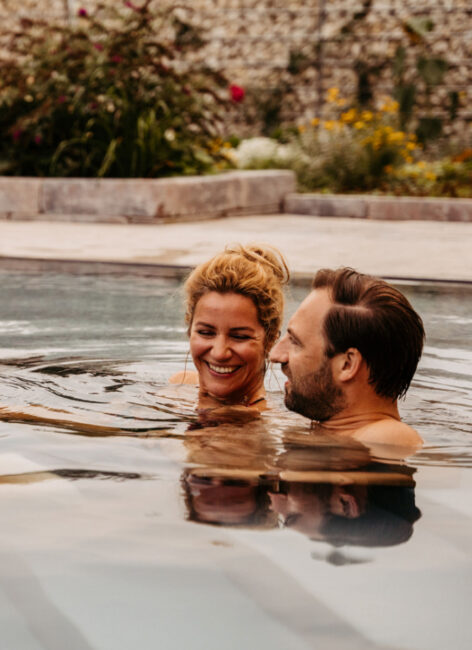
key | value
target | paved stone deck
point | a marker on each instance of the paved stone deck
(405, 249)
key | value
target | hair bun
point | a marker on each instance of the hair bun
(264, 254)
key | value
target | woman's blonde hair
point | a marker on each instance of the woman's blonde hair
(258, 272)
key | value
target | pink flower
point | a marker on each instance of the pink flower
(61, 99)
(116, 58)
(132, 6)
(98, 46)
(82, 13)
(38, 139)
(16, 135)
(237, 93)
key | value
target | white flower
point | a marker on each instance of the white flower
(255, 151)
(169, 135)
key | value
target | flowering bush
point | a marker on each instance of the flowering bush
(355, 152)
(113, 94)
(445, 177)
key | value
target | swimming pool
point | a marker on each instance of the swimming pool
(102, 491)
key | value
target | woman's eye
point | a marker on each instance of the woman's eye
(240, 337)
(205, 332)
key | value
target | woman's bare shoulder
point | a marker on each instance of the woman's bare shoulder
(184, 377)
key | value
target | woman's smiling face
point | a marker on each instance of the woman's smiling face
(227, 346)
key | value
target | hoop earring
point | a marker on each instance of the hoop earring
(185, 367)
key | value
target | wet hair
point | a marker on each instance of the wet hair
(388, 520)
(255, 271)
(375, 318)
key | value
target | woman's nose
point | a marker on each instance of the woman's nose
(221, 349)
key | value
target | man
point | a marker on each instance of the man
(350, 351)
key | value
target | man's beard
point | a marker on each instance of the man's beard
(316, 396)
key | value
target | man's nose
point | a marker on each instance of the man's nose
(278, 354)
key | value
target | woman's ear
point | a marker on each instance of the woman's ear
(348, 364)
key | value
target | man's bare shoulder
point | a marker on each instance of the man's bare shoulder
(390, 437)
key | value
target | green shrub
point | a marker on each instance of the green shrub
(355, 152)
(445, 177)
(113, 94)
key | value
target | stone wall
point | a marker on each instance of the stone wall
(287, 53)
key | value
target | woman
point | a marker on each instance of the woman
(234, 308)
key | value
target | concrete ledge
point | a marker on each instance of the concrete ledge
(137, 200)
(401, 208)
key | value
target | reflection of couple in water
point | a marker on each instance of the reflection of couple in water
(324, 489)
(350, 351)
(358, 515)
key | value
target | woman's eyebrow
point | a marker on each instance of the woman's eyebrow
(243, 327)
(201, 323)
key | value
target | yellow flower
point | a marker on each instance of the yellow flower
(315, 121)
(421, 164)
(367, 116)
(396, 136)
(301, 128)
(332, 94)
(329, 124)
(431, 176)
(341, 102)
(411, 146)
(227, 145)
(390, 106)
(388, 169)
(349, 116)
(359, 125)
(408, 159)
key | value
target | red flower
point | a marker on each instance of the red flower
(82, 13)
(16, 135)
(38, 139)
(61, 99)
(237, 93)
(116, 58)
(98, 46)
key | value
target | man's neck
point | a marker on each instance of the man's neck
(359, 414)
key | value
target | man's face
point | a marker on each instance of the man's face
(311, 389)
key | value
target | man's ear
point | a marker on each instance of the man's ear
(347, 365)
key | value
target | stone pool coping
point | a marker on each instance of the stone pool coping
(403, 250)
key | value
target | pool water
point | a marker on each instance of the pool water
(125, 525)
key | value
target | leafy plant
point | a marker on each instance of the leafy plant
(354, 152)
(113, 94)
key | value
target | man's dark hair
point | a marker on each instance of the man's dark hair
(375, 318)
